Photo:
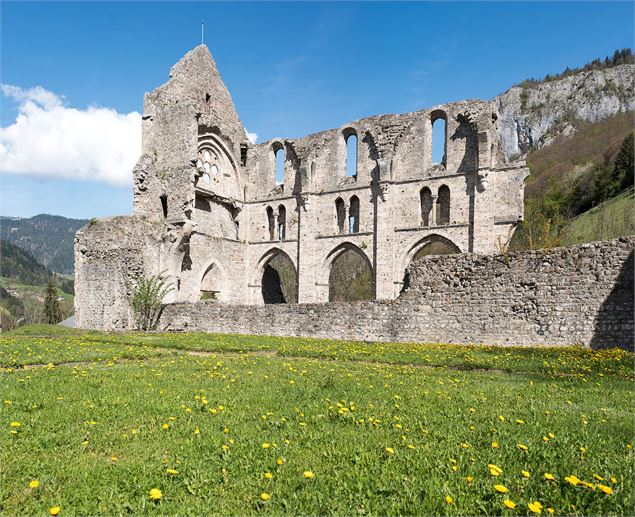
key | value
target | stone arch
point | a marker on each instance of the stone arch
(361, 285)
(351, 141)
(214, 283)
(277, 147)
(433, 244)
(276, 277)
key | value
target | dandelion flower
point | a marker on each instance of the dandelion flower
(573, 480)
(390, 450)
(522, 446)
(165, 426)
(265, 496)
(520, 422)
(469, 479)
(549, 477)
(525, 474)
(54, 510)
(535, 507)
(448, 499)
(15, 424)
(495, 445)
(550, 511)
(280, 461)
(34, 484)
(155, 494)
(613, 479)
(265, 445)
(308, 474)
(268, 475)
(605, 489)
(509, 504)
(494, 470)
(501, 488)
(172, 472)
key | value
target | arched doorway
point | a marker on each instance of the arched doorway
(279, 279)
(430, 245)
(350, 275)
(212, 284)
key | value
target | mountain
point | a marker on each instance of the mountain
(535, 112)
(23, 281)
(49, 238)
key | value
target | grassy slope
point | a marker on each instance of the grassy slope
(612, 219)
(93, 435)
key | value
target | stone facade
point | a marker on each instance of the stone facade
(209, 213)
(581, 295)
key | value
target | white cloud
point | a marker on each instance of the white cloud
(52, 140)
(253, 137)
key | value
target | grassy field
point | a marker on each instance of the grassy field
(101, 423)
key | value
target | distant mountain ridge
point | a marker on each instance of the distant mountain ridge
(49, 238)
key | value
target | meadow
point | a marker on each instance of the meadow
(102, 424)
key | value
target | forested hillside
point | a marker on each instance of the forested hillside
(49, 238)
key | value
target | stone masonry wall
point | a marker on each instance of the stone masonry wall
(566, 296)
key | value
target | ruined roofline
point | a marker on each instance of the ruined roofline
(392, 117)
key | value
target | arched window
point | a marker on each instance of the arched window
(439, 124)
(272, 223)
(278, 151)
(351, 153)
(443, 205)
(426, 206)
(340, 210)
(282, 222)
(353, 215)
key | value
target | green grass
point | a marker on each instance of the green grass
(92, 434)
(614, 218)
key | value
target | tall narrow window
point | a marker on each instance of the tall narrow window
(282, 222)
(164, 205)
(340, 211)
(353, 215)
(438, 139)
(351, 155)
(272, 223)
(426, 206)
(443, 205)
(279, 153)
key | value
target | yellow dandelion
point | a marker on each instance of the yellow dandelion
(267, 475)
(469, 479)
(390, 450)
(525, 474)
(535, 507)
(34, 484)
(613, 480)
(308, 474)
(15, 424)
(550, 511)
(265, 445)
(605, 489)
(522, 446)
(519, 421)
(165, 426)
(54, 510)
(155, 494)
(501, 488)
(465, 446)
(509, 504)
(280, 461)
(197, 431)
(549, 477)
(572, 480)
(172, 472)
(599, 478)
(410, 446)
(494, 470)
(501, 418)
(265, 496)
(495, 445)
(448, 499)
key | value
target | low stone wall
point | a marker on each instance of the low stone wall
(582, 295)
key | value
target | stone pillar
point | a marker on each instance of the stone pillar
(433, 212)
(383, 246)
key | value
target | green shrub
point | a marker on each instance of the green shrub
(147, 299)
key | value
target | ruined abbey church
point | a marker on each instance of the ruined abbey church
(209, 212)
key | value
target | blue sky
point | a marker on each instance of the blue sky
(292, 68)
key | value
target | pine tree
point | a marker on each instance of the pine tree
(52, 310)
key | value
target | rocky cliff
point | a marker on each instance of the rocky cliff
(531, 117)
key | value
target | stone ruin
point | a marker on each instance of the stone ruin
(211, 216)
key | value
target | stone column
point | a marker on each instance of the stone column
(433, 212)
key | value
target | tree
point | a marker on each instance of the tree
(52, 310)
(623, 170)
(147, 298)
